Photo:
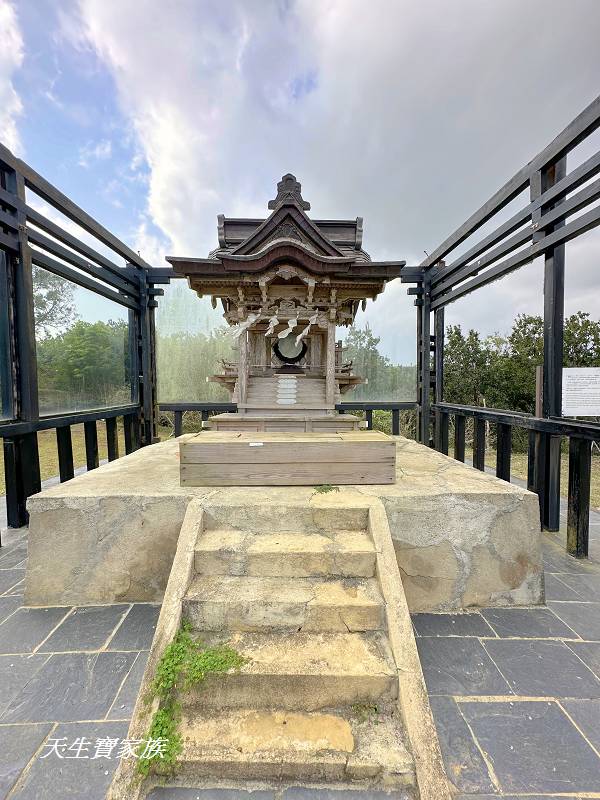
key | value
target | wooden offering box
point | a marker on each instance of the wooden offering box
(223, 458)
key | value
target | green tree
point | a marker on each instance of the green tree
(86, 366)
(500, 371)
(186, 360)
(386, 381)
(54, 303)
(465, 367)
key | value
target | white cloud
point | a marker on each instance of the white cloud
(95, 151)
(409, 114)
(150, 246)
(11, 58)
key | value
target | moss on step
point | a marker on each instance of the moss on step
(326, 487)
(183, 664)
(365, 712)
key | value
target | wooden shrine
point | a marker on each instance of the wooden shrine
(285, 283)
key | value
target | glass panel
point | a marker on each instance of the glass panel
(192, 341)
(381, 345)
(82, 342)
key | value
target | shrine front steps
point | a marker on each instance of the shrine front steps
(285, 554)
(299, 672)
(219, 602)
(330, 692)
(304, 608)
(325, 747)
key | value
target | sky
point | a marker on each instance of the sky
(156, 116)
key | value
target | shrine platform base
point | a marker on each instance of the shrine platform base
(462, 538)
(275, 422)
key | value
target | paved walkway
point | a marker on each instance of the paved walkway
(515, 692)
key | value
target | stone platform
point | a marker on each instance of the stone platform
(462, 538)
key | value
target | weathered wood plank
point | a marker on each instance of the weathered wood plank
(281, 459)
(305, 474)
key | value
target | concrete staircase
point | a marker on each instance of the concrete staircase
(316, 701)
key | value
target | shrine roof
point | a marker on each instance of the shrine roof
(327, 246)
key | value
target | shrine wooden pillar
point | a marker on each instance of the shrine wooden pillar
(330, 365)
(242, 366)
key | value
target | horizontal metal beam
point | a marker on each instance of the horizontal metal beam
(162, 275)
(382, 405)
(411, 274)
(40, 221)
(42, 260)
(9, 241)
(16, 428)
(575, 228)
(556, 426)
(66, 206)
(101, 274)
(559, 190)
(10, 200)
(581, 127)
(575, 203)
(8, 220)
(197, 407)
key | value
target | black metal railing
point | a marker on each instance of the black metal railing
(29, 239)
(205, 410)
(208, 409)
(540, 430)
(559, 206)
(13, 434)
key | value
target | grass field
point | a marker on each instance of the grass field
(518, 468)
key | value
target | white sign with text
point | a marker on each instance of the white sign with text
(581, 392)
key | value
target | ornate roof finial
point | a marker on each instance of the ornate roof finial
(289, 190)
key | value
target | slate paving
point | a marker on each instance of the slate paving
(539, 736)
(515, 693)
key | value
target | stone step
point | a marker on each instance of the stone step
(299, 671)
(223, 602)
(349, 554)
(272, 517)
(246, 744)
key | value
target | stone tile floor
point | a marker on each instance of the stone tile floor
(515, 692)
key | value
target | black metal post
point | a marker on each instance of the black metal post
(24, 457)
(425, 363)
(459, 437)
(554, 300)
(178, 422)
(503, 451)
(65, 453)
(441, 419)
(578, 517)
(146, 362)
(112, 439)
(91, 444)
(531, 461)
(479, 443)
(419, 387)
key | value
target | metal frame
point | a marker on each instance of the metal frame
(28, 238)
(559, 210)
(561, 206)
